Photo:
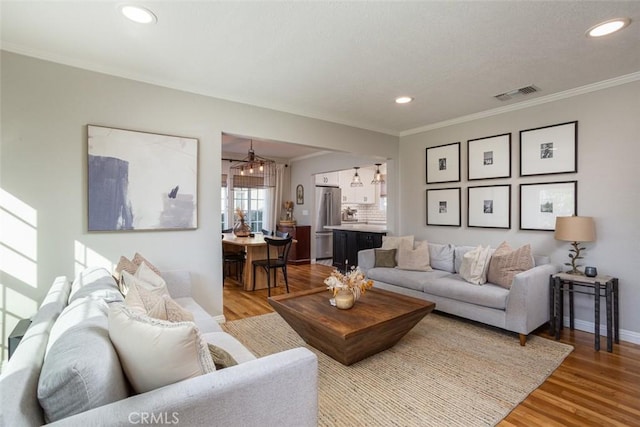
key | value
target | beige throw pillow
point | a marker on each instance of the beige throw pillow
(416, 259)
(393, 242)
(124, 264)
(155, 353)
(475, 264)
(156, 304)
(506, 263)
(139, 259)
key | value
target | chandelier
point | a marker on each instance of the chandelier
(253, 172)
(377, 178)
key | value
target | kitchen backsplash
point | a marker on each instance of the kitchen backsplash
(368, 213)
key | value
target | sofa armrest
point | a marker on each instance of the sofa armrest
(178, 283)
(366, 259)
(528, 304)
(280, 389)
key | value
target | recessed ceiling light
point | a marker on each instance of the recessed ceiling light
(138, 14)
(403, 99)
(608, 27)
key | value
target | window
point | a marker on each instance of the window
(251, 201)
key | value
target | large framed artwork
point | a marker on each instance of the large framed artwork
(549, 150)
(443, 163)
(443, 207)
(540, 204)
(489, 206)
(489, 157)
(141, 181)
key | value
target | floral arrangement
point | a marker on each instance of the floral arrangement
(353, 281)
(240, 214)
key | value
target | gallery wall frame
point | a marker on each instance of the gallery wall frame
(549, 150)
(443, 163)
(300, 195)
(489, 206)
(489, 157)
(444, 206)
(541, 203)
(141, 181)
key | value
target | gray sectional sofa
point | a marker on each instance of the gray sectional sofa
(68, 344)
(521, 309)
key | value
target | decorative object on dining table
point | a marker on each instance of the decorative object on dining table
(575, 229)
(590, 271)
(241, 229)
(347, 288)
(288, 218)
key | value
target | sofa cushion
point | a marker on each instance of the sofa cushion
(95, 281)
(415, 280)
(81, 370)
(202, 319)
(441, 257)
(385, 258)
(455, 287)
(229, 344)
(506, 263)
(475, 264)
(155, 353)
(410, 258)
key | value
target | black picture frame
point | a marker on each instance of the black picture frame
(489, 206)
(549, 150)
(444, 207)
(542, 202)
(489, 157)
(442, 163)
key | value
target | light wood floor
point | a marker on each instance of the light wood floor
(589, 389)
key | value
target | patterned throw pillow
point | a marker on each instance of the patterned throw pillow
(385, 258)
(506, 263)
(475, 264)
(139, 259)
(221, 358)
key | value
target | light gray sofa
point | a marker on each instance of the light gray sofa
(280, 389)
(521, 309)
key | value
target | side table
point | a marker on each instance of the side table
(597, 287)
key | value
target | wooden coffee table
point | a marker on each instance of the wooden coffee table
(376, 322)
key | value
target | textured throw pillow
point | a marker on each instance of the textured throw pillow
(221, 358)
(139, 259)
(155, 353)
(475, 264)
(506, 263)
(157, 305)
(385, 258)
(393, 242)
(416, 259)
(129, 280)
(146, 273)
(124, 264)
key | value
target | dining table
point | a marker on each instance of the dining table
(256, 249)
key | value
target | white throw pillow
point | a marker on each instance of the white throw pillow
(144, 272)
(393, 242)
(475, 264)
(155, 353)
(159, 288)
(414, 259)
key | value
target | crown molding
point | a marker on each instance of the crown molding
(616, 81)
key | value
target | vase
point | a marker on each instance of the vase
(344, 299)
(241, 229)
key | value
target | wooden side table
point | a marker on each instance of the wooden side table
(598, 286)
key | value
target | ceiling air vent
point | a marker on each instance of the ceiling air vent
(527, 90)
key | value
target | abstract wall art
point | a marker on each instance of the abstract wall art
(141, 181)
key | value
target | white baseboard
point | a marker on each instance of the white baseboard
(581, 325)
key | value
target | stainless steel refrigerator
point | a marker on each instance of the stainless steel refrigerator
(328, 205)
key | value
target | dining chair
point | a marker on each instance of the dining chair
(267, 232)
(276, 260)
(235, 258)
(282, 234)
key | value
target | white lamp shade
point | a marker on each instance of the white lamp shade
(575, 229)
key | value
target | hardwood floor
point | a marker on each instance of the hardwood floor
(590, 388)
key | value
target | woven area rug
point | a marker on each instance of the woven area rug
(445, 371)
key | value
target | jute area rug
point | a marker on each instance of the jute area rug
(444, 372)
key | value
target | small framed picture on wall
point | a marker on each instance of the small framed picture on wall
(549, 150)
(443, 163)
(489, 157)
(443, 207)
(541, 203)
(489, 206)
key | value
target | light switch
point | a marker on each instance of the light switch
(305, 212)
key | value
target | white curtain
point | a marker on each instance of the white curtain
(274, 201)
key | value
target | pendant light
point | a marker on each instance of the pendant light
(377, 178)
(253, 172)
(356, 181)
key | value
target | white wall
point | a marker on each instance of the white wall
(608, 188)
(45, 110)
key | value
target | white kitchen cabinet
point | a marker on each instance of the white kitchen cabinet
(357, 195)
(328, 179)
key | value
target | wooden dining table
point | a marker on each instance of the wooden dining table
(256, 248)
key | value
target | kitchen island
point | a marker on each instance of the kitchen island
(348, 239)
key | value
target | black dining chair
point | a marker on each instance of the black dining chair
(235, 258)
(277, 254)
(267, 232)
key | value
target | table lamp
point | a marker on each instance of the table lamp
(575, 229)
